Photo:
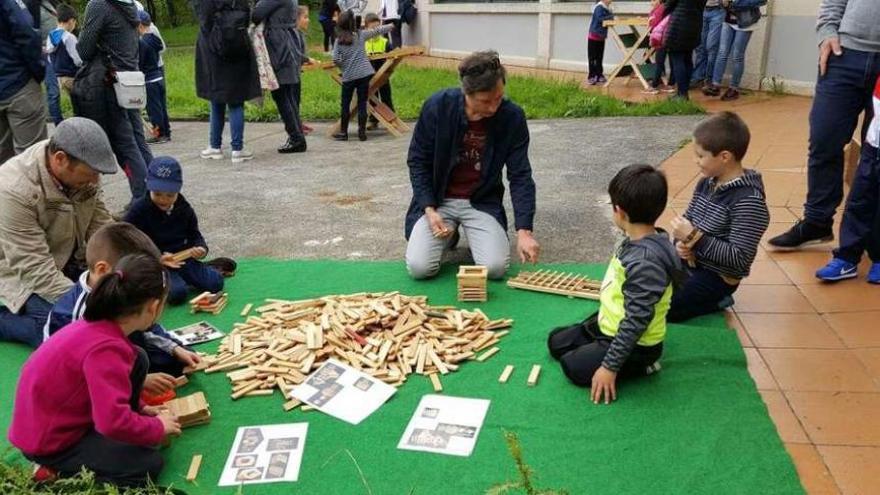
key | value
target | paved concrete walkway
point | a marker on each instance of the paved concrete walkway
(347, 200)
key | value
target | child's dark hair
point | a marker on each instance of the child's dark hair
(346, 26)
(371, 18)
(65, 12)
(115, 240)
(640, 191)
(724, 131)
(137, 279)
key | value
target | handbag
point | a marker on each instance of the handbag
(659, 32)
(131, 89)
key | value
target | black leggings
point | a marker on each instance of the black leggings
(288, 108)
(361, 86)
(595, 57)
(113, 462)
(682, 68)
(581, 348)
(329, 27)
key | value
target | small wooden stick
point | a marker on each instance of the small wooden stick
(505, 375)
(533, 376)
(435, 382)
(247, 309)
(181, 381)
(486, 355)
(292, 404)
(194, 467)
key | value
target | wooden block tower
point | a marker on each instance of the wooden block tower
(472, 284)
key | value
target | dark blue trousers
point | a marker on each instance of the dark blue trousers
(193, 274)
(699, 296)
(157, 107)
(27, 325)
(842, 94)
(860, 228)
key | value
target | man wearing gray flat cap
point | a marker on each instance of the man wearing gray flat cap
(50, 205)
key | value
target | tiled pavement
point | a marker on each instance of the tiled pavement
(813, 349)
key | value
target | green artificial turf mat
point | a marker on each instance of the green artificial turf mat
(699, 426)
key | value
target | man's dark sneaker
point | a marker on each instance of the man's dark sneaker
(158, 139)
(730, 95)
(802, 233)
(226, 266)
(291, 146)
(340, 136)
(711, 90)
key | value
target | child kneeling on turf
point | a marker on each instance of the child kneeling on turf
(626, 336)
(170, 222)
(105, 248)
(719, 232)
(78, 399)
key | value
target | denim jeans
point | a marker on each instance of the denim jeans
(860, 228)
(733, 48)
(236, 124)
(682, 67)
(194, 274)
(53, 94)
(704, 56)
(27, 325)
(842, 94)
(700, 295)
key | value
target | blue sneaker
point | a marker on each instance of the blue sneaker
(837, 269)
(874, 274)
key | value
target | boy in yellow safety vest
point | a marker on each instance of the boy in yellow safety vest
(376, 46)
(625, 337)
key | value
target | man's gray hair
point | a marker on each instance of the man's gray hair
(481, 71)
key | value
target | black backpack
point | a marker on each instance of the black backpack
(229, 37)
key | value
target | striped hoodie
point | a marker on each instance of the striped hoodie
(733, 217)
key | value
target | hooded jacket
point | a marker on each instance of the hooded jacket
(61, 48)
(149, 57)
(110, 29)
(636, 295)
(732, 217)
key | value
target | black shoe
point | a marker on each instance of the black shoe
(803, 233)
(362, 134)
(711, 90)
(226, 266)
(341, 136)
(292, 146)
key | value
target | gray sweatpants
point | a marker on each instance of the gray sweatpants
(22, 120)
(488, 241)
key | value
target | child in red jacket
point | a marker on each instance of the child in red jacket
(78, 400)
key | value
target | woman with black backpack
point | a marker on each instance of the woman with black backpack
(226, 72)
(683, 35)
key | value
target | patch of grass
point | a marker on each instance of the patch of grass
(525, 483)
(18, 479)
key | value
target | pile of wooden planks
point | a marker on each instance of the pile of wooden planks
(209, 303)
(560, 283)
(191, 410)
(386, 335)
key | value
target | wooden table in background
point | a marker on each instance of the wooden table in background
(635, 47)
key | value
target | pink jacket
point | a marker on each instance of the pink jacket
(75, 382)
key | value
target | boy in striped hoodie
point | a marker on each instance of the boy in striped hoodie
(719, 233)
(860, 228)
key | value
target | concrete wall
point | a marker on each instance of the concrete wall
(552, 35)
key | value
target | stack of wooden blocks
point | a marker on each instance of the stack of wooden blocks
(191, 410)
(472, 284)
(209, 303)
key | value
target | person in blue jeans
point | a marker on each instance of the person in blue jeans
(705, 54)
(860, 228)
(849, 64)
(740, 21)
(171, 223)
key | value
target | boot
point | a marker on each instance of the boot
(293, 146)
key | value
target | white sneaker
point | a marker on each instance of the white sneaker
(242, 156)
(210, 153)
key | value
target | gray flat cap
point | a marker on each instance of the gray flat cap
(84, 140)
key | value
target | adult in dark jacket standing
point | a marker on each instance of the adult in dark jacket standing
(22, 113)
(226, 81)
(109, 42)
(683, 35)
(462, 142)
(279, 23)
(327, 17)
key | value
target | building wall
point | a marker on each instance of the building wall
(547, 34)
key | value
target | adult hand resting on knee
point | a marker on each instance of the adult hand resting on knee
(828, 46)
(527, 246)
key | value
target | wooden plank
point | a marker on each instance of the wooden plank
(486, 355)
(533, 375)
(505, 375)
(194, 466)
(247, 309)
(435, 382)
